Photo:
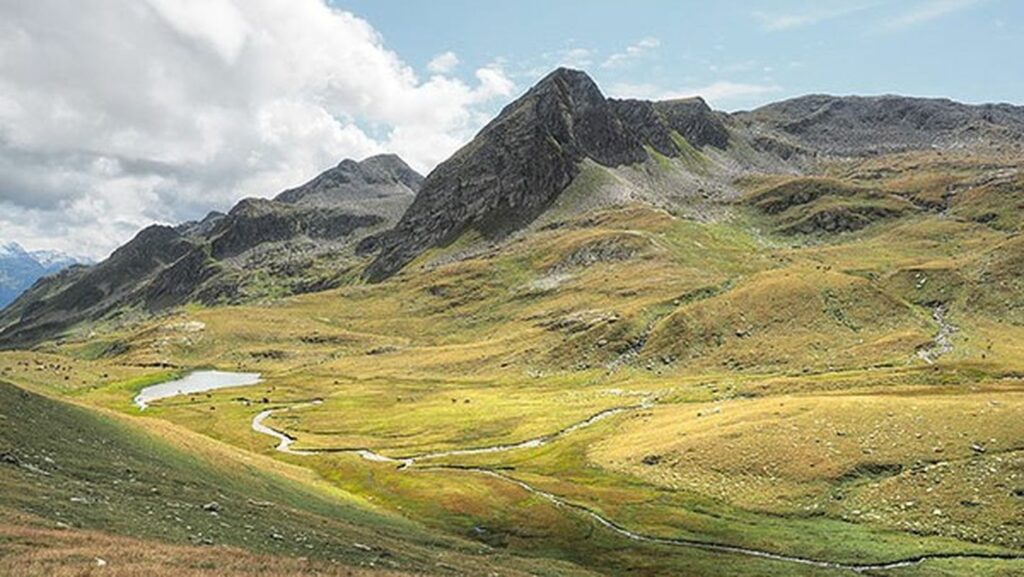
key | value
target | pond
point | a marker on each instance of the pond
(196, 382)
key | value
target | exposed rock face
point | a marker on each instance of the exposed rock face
(858, 126)
(518, 164)
(694, 119)
(256, 221)
(206, 260)
(653, 123)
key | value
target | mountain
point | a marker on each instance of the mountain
(359, 186)
(525, 158)
(606, 337)
(520, 162)
(561, 150)
(20, 268)
(859, 126)
(301, 241)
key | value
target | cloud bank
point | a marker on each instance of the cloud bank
(118, 113)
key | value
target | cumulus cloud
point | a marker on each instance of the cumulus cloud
(115, 114)
(443, 63)
(631, 53)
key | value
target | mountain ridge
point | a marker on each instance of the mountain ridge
(21, 268)
(260, 246)
(371, 218)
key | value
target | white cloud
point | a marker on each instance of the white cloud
(717, 93)
(443, 63)
(632, 52)
(930, 10)
(809, 16)
(115, 114)
(574, 58)
(531, 69)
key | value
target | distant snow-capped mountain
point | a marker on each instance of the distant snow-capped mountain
(20, 268)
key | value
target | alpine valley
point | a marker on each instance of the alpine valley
(605, 337)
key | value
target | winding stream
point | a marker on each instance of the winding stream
(202, 381)
(286, 441)
(721, 547)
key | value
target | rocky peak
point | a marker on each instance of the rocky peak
(514, 168)
(380, 176)
(388, 167)
(695, 121)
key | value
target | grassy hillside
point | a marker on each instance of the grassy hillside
(104, 487)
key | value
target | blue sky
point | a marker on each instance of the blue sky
(741, 54)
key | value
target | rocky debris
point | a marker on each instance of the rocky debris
(617, 248)
(807, 205)
(651, 460)
(842, 219)
(942, 342)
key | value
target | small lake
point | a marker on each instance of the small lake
(197, 382)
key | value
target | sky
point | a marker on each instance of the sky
(117, 114)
